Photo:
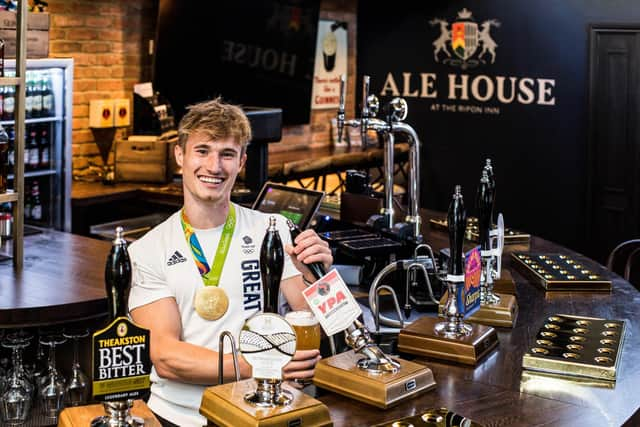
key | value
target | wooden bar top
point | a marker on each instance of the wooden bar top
(63, 280)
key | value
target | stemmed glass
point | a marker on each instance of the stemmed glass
(24, 338)
(52, 391)
(15, 402)
(78, 387)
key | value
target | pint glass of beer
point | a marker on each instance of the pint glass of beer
(307, 329)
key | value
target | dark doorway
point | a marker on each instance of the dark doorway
(613, 192)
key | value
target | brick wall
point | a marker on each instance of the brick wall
(109, 43)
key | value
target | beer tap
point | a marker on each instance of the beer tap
(358, 338)
(485, 207)
(396, 113)
(368, 121)
(117, 281)
(271, 266)
(364, 116)
(453, 326)
(269, 391)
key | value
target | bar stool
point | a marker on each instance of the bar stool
(624, 259)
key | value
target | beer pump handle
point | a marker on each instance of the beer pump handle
(492, 186)
(457, 223)
(484, 202)
(271, 266)
(316, 268)
(117, 276)
(364, 119)
(341, 107)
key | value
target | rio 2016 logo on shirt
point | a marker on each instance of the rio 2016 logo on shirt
(464, 39)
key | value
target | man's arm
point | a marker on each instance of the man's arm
(175, 359)
(309, 247)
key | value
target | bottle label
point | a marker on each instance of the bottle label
(28, 104)
(44, 157)
(11, 157)
(36, 212)
(47, 103)
(121, 361)
(9, 104)
(37, 103)
(34, 157)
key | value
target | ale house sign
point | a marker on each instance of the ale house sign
(464, 45)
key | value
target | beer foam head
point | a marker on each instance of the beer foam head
(301, 318)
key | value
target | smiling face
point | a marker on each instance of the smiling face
(209, 168)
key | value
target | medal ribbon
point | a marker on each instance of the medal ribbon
(210, 275)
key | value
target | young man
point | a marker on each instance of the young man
(179, 292)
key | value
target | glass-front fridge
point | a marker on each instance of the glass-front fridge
(47, 145)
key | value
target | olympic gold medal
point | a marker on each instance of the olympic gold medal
(211, 302)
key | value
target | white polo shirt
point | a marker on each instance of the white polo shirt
(163, 266)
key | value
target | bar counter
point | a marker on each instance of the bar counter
(63, 280)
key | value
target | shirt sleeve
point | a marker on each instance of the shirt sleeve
(148, 283)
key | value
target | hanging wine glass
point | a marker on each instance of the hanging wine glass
(15, 402)
(52, 392)
(78, 386)
(18, 367)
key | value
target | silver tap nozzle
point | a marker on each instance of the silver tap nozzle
(364, 119)
(341, 107)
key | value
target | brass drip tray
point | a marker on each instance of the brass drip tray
(577, 346)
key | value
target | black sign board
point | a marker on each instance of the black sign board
(121, 361)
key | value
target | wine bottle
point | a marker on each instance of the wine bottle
(117, 277)
(271, 266)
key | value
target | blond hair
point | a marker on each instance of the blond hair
(216, 119)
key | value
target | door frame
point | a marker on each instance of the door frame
(594, 29)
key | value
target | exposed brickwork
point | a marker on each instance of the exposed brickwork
(108, 41)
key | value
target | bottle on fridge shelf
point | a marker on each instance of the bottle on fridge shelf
(27, 200)
(48, 109)
(36, 107)
(45, 152)
(36, 204)
(33, 150)
(11, 156)
(9, 102)
(28, 100)
(4, 151)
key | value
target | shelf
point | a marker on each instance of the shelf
(31, 174)
(30, 121)
(10, 81)
(9, 196)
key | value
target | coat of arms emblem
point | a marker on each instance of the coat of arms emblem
(464, 39)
